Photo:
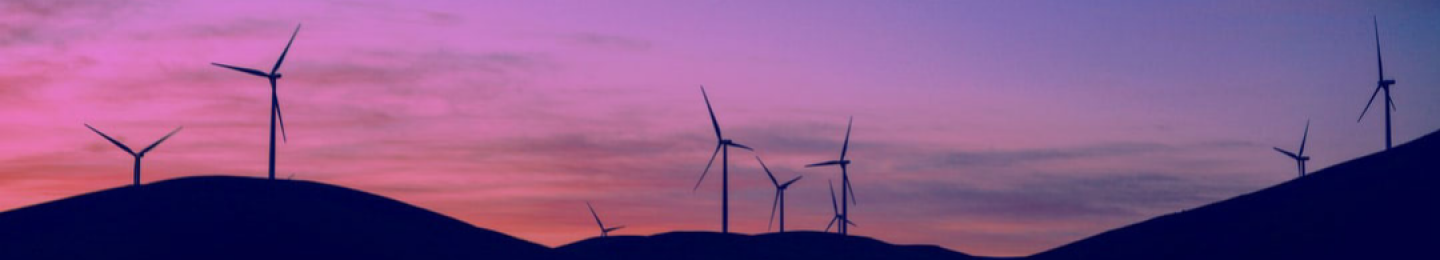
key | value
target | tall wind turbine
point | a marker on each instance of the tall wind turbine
(838, 216)
(845, 188)
(138, 155)
(722, 148)
(779, 195)
(1299, 157)
(604, 231)
(275, 115)
(1382, 84)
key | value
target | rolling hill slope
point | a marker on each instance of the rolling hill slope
(245, 218)
(1382, 206)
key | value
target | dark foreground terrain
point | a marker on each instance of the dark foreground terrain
(1382, 206)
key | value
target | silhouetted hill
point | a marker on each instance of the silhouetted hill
(711, 245)
(245, 218)
(1382, 206)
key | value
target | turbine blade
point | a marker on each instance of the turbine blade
(850, 189)
(832, 223)
(741, 146)
(1367, 104)
(162, 139)
(787, 184)
(822, 164)
(846, 147)
(852, 223)
(713, 121)
(1391, 101)
(112, 140)
(1379, 62)
(1287, 153)
(833, 204)
(767, 171)
(597, 216)
(245, 70)
(275, 101)
(1303, 138)
(707, 168)
(773, 205)
(614, 228)
(286, 51)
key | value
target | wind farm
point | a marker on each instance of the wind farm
(441, 129)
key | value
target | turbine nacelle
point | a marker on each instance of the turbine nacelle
(1387, 82)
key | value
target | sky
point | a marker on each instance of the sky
(999, 128)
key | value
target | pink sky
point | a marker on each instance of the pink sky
(988, 127)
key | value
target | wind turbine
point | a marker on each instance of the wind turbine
(838, 216)
(604, 231)
(779, 195)
(722, 148)
(845, 188)
(1299, 157)
(275, 114)
(1382, 84)
(138, 155)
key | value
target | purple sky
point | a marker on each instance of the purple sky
(989, 127)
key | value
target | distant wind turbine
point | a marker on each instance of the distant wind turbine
(722, 148)
(838, 215)
(779, 195)
(1299, 157)
(845, 188)
(1382, 84)
(604, 231)
(275, 114)
(138, 155)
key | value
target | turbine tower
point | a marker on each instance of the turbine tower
(604, 231)
(1383, 84)
(1299, 157)
(722, 148)
(779, 196)
(275, 114)
(138, 155)
(838, 216)
(845, 188)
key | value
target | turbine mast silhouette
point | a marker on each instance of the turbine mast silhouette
(846, 191)
(275, 115)
(722, 148)
(604, 232)
(1299, 157)
(1382, 84)
(137, 155)
(779, 195)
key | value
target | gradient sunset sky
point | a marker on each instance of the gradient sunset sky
(988, 127)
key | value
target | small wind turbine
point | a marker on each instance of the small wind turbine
(1299, 157)
(275, 115)
(604, 231)
(779, 195)
(722, 148)
(1382, 84)
(138, 155)
(838, 216)
(845, 188)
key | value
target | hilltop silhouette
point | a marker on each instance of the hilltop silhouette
(713, 245)
(1381, 206)
(245, 218)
